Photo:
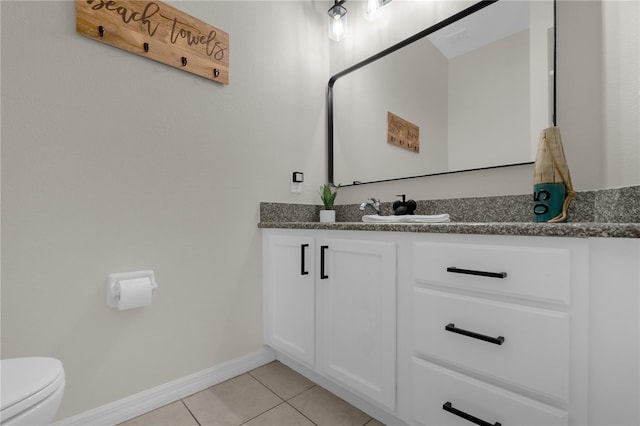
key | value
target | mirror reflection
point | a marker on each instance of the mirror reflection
(474, 94)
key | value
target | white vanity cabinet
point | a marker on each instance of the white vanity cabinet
(330, 303)
(452, 329)
(499, 330)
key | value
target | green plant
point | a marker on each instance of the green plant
(328, 196)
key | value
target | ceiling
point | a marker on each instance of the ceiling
(494, 22)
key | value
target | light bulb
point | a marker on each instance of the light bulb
(373, 9)
(337, 22)
(337, 28)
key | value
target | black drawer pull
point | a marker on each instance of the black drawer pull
(480, 273)
(302, 260)
(448, 407)
(323, 276)
(496, 340)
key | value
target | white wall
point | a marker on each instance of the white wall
(621, 92)
(113, 163)
(580, 102)
(486, 86)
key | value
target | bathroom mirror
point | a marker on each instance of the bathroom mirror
(476, 89)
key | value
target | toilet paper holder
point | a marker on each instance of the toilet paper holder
(113, 289)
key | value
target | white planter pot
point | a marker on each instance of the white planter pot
(327, 216)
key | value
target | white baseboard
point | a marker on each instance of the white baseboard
(132, 406)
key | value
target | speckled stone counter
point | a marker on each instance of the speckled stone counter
(610, 213)
(573, 230)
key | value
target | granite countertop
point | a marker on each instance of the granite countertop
(572, 229)
(609, 213)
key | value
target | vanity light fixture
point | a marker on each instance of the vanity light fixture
(338, 16)
(337, 20)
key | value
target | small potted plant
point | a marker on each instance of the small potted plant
(328, 197)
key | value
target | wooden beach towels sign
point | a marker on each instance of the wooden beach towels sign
(403, 133)
(155, 30)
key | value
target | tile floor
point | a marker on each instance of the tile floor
(271, 395)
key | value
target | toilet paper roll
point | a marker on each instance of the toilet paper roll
(134, 293)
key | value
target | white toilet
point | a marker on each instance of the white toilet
(31, 391)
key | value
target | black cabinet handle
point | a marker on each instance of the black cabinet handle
(323, 276)
(448, 407)
(480, 273)
(495, 340)
(302, 260)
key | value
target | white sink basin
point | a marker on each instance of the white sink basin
(430, 218)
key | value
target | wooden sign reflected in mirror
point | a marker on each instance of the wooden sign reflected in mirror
(403, 133)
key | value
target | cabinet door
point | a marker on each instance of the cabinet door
(357, 316)
(289, 295)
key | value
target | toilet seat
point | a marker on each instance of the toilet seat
(27, 382)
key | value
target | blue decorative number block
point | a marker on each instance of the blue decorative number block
(548, 199)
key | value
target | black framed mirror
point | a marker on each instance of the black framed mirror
(477, 88)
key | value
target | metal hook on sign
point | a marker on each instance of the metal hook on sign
(101, 31)
(146, 47)
(184, 61)
(216, 72)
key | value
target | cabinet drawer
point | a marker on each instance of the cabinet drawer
(433, 386)
(534, 354)
(531, 272)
